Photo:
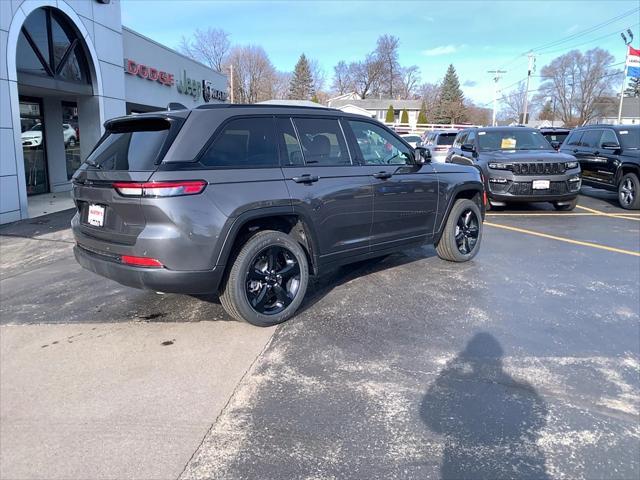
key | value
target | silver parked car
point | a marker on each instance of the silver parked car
(438, 142)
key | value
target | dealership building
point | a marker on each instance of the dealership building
(66, 66)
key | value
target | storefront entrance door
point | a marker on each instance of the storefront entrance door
(35, 158)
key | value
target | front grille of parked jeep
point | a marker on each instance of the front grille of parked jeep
(526, 189)
(538, 168)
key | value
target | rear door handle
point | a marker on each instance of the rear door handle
(383, 175)
(306, 178)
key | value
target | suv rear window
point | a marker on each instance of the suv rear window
(446, 138)
(131, 145)
(244, 143)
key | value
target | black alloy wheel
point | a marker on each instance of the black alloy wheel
(627, 192)
(272, 280)
(467, 231)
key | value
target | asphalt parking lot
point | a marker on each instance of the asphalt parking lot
(524, 363)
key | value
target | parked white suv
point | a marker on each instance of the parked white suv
(33, 136)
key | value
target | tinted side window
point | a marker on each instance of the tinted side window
(591, 139)
(243, 143)
(471, 138)
(322, 141)
(378, 146)
(290, 149)
(460, 139)
(608, 136)
(574, 139)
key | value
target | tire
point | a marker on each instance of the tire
(565, 207)
(448, 247)
(629, 192)
(267, 289)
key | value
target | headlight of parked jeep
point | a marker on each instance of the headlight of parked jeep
(571, 165)
(499, 166)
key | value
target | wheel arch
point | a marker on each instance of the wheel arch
(471, 191)
(283, 219)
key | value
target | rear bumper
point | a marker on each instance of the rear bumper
(156, 279)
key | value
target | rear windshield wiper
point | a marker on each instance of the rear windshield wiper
(92, 163)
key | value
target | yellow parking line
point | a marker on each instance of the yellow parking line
(548, 214)
(562, 239)
(626, 216)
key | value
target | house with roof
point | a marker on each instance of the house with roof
(377, 107)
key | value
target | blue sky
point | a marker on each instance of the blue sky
(475, 36)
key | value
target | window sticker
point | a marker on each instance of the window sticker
(508, 143)
(482, 133)
(624, 132)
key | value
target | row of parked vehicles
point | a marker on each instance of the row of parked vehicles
(520, 164)
(249, 201)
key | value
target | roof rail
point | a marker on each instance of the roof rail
(214, 106)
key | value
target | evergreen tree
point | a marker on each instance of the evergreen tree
(633, 90)
(404, 117)
(391, 117)
(450, 108)
(547, 112)
(301, 86)
(422, 114)
(315, 98)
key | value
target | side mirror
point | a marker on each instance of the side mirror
(467, 147)
(610, 146)
(422, 155)
(556, 145)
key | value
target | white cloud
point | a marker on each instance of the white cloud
(442, 50)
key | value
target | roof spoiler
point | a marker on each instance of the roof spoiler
(175, 106)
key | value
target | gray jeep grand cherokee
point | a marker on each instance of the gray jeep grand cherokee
(248, 201)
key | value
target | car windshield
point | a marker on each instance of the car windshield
(630, 138)
(446, 138)
(512, 140)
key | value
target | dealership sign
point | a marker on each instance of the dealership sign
(150, 73)
(185, 85)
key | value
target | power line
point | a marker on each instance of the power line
(616, 33)
(586, 31)
(572, 36)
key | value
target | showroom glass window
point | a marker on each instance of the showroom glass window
(49, 46)
(71, 136)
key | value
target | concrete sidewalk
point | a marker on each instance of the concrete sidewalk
(113, 401)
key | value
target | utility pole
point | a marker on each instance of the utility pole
(497, 75)
(627, 42)
(532, 66)
(231, 81)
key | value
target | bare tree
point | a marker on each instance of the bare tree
(281, 81)
(513, 103)
(387, 54)
(253, 72)
(407, 82)
(342, 81)
(367, 75)
(207, 46)
(429, 93)
(318, 75)
(576, 82)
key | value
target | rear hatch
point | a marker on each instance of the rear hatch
(130, 151)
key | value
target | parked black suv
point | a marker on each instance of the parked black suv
(518, 165)
(250, 200)
(610, 158)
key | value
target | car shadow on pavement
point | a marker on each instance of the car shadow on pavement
(320, 286)
(490, 421)
(35, 227)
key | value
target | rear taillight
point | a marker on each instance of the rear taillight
(140, 261)
(160, 189)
